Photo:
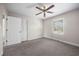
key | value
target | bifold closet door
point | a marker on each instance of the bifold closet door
(13, 30)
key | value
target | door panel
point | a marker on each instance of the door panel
(13, 30)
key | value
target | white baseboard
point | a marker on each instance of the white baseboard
(70, 43)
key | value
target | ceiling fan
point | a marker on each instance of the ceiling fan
(45, 10)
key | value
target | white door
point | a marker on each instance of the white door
(13, 30)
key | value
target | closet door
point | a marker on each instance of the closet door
(13, 30)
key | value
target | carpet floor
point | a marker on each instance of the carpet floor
(41, 47)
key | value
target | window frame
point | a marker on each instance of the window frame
(57, 32)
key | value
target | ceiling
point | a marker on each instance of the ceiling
(28, 9)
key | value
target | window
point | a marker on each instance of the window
(58, 26)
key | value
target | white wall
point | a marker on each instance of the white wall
(31, 28)
(24, 28)
(34, 28)
(2, 12)
(71, 27)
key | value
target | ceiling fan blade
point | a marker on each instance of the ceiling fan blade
(49, 12)
(44, 14)
(38, 13)
(39, 8)
(50, 7)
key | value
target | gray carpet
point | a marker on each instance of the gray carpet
(41, 47)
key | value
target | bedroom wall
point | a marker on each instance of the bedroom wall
(71, 28)
(34, 28)
(2, 12)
